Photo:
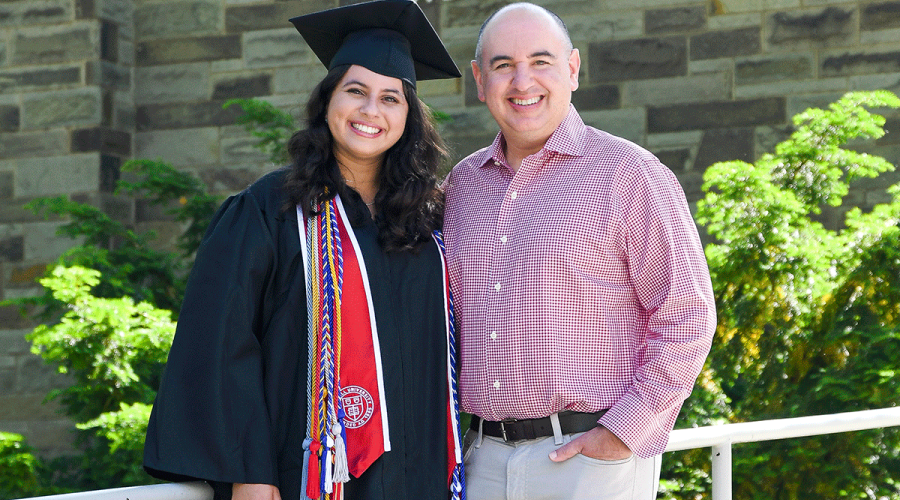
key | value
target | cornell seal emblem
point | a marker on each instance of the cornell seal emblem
(358, 406)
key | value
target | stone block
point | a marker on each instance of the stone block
(7, 185)
(84, 9)
(24, 275)
(828, 27)
(801, 102)
(31, 79)
(586, 27)
(297, 79)
(879, 16)
(16, 14)
(12, 249)
(185, 115)
(885, 37)
(639, 59)
(126, 53)
(110, 169)
(860, 63)
(43, 244)
(694, 88)
(171, 83)
(184, 50)
(674, 140)
(101, 139)
(753, 6)
(120, 12)
(892, 132)
(628, 123)
(774, 69)
(10, 118)
(55, 44)
(177, 18)
(30, 405)
(887, 81)
(589, 97)
(723, 22)
(254, 17)
(32, 144)
(109, 41)
(733, 43)
(242, 86)
(61, 109)
(789, 87)
(699, 116)
(678, 160)
(181, 148)
(725, 144)
(108, 75)
(679, 19)
(469, 12)
(52, 176)
(272, 48)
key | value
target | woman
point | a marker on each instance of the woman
(311, 356)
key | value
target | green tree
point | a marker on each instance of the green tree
(18, 467)
(809, 317)
(114, 351)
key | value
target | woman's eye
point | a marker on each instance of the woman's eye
(391, 99)
(355, 91)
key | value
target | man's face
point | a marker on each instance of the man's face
(526, 75)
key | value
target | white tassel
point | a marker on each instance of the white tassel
(305, 478)
(329, 467)
(341, 468)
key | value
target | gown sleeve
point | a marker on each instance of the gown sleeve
(210, 420)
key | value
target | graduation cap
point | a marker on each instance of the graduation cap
(390, 37)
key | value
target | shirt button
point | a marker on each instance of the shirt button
(497, 384)
(497, 287)
(493, 335)
(503, 239)
(496, 163)
(514, 195)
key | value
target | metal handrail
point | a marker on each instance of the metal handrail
(718, 437)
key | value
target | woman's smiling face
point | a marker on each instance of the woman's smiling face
(366, 115)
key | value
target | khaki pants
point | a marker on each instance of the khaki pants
(496, 470)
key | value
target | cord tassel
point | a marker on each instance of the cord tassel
(313, 490)
(341, 469)
(305, 477)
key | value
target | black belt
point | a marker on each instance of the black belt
(570, 422)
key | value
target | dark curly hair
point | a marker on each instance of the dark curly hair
(409, 203)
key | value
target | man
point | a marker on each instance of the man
(581, 289)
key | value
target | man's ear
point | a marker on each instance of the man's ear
(476, 72)
(574, 67)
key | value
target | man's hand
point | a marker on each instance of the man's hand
(254, 492)
(596, 443)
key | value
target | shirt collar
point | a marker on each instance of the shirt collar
(566, 139)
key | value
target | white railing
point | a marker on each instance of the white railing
(719, 438)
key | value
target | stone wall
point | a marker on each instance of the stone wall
(86, 84)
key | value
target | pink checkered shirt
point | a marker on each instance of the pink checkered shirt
(579, 284)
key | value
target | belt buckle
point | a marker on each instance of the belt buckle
(503, 428)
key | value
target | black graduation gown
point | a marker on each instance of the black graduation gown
(232, 403)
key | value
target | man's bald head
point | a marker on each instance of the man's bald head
(526, 6)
